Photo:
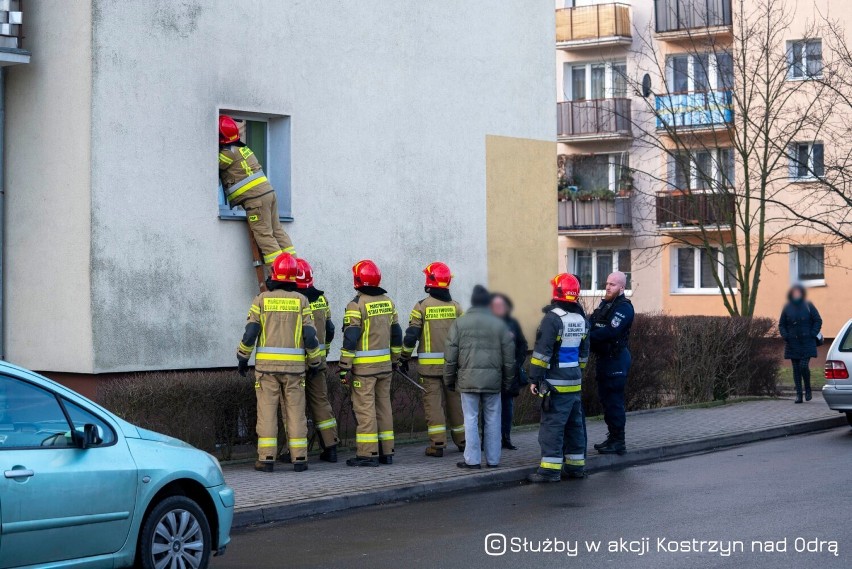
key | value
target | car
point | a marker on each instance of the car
(838, 385)
(83, 488)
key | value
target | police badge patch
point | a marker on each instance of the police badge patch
(616, 322)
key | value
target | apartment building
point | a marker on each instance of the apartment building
(644, 121)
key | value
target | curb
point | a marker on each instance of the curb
(514, 475)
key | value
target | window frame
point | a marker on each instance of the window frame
(587, 66)
(617, 163)
(616, 252)
(60, 400)
(810, 167)
(794, 267)
(278, 170)
(714, 78)
(803, 63)
(717, 178)
(697, 257)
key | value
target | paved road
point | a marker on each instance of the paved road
(792, 488)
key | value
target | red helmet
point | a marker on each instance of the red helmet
(285, 268)
(366, 273)
(566, 287)
(304, 274)
(438, 275)
(228, 130)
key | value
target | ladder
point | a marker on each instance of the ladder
(257, 263)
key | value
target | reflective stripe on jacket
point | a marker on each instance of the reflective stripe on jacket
(561, 349)
(369, 343)
(432, 318)
(241, 174)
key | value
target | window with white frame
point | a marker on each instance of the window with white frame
(593, 266)
(598, 80)
(599, 171)
(804, 58)
(268, 136)
(807, 264)
(807, 160)
(700, 72)
(707, 169)
(694, 269)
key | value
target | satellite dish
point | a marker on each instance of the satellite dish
(646, 86)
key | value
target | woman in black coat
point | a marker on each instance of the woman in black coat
(501, 306)
(800, 325)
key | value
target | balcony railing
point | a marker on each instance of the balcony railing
(593, 25)
(688, 209)
(594, 118)
(685, 15)
(597, 214)
(695, 110)
(11, 24)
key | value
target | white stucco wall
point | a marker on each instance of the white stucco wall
(48, 323)
(390, 104)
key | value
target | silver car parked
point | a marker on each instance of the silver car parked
(838, 384)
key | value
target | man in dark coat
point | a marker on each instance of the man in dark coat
(800, 325)
(501, 306)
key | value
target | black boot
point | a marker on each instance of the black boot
(539, 478)
(362, 461)
(329, 454)
(264, 466)
(386, 459)
(606, 443)
(808, 395)
(507, 444)
(615, 446)
(300, 466)
(285, 457)
(574, 473)
(798, 397)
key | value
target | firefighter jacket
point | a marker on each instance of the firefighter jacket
(372, 336)
(611, 323)
(561, 348)
(281, 330)
(322, 321)
(241, 175)
(429, 324)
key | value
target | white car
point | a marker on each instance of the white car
(838, 363)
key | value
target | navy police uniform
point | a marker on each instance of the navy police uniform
(560, 354)
(611, 323)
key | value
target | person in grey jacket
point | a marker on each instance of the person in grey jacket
(479, 361)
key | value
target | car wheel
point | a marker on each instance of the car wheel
(849, 417)
(175, 534)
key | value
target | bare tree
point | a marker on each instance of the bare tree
(734, 115)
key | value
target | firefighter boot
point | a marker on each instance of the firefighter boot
(285, 456)
(540, 478)
(329, 454)
(606, 443)
(300, 466)
(573, 473)
(264, 466)
(362, 461)
(434, 451)
(616, 445)
(386, 459)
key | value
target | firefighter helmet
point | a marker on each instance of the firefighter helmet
(284, 268)
(438, 275)
(304, 274)
(229, 132)
(566, 287)
(366, 273)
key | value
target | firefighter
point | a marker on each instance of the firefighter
(428, 326)
(280, 329)
(556, 376)
(372, 344)
(246, 185)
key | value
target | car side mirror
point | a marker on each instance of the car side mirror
(91, 437)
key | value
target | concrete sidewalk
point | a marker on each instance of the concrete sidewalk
(651, 435)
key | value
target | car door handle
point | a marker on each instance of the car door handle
(18, 473)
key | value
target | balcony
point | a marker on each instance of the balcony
(594, 217)
(595, 119)
(593, 26)
(687, 211)
(684, 19)
(699, 111)
(11, 33)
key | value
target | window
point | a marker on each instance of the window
(599, 171)
(710, 169)
(804, 58)
(81, 417)
(269, 138)
(30, 417)
(593, 266)
(595, 80)
(700, 72)
(695, 269)
(807, 265)
(807, 160)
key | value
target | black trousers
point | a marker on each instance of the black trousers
(802, 374)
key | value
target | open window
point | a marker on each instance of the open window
(269, 138)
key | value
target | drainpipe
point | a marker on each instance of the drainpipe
(2, 209)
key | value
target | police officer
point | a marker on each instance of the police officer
(556, 375)
(611, 323)
(280, 329)
(428, 327)
(372, 345)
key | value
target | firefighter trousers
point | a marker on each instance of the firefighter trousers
(372, 406)
(442, 405)
(316, 390)
(562, 434)
(287, 390)
(262, 216)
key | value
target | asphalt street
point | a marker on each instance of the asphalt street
(740, 507)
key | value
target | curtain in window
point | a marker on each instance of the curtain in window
(701, 72)
(598, 82)
(704, 164)
(818, 158)
(583, 268)
(796, 58)
(811, 263)
(709, 268)
(680, 74)
(724, 71)
(619, 80)
(625, 265)
(802, 161)
(578, 83)
(685, 268)
(813, 56)
(605, 268)
(592, 172)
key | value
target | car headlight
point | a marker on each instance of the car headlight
(216, 462)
